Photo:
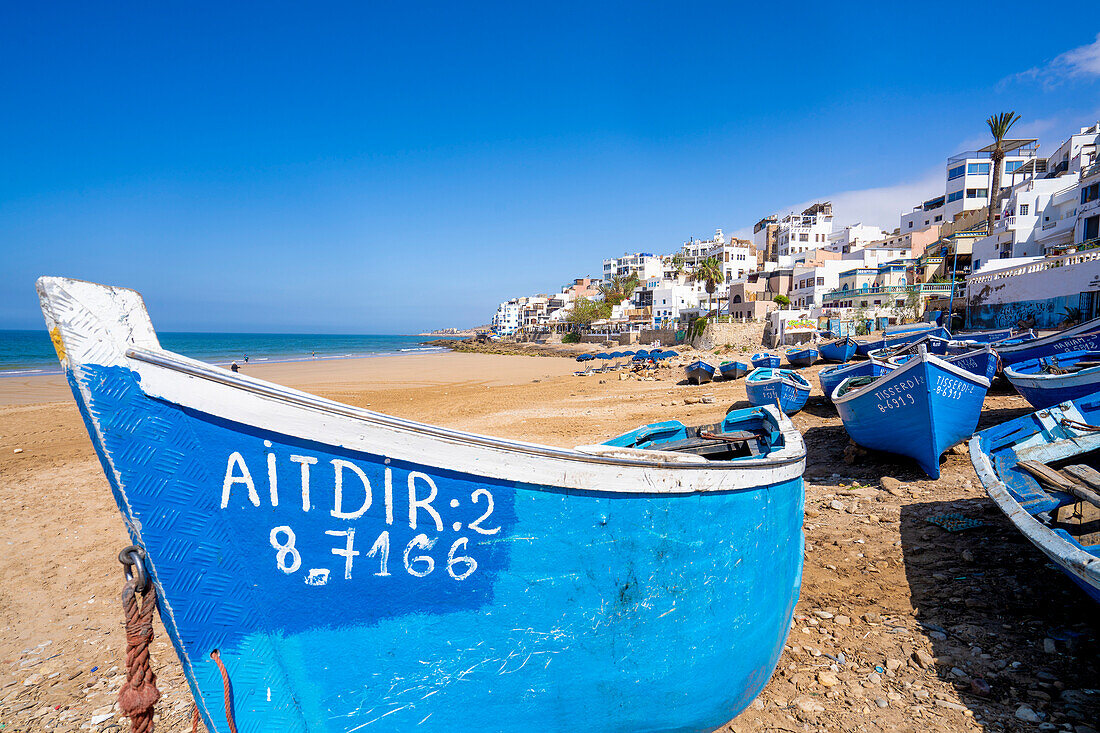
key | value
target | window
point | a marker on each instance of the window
(821, 281)
(955, 196)
(977, 169)
(1024, 208)
(977, 193)
(1090, 193)
(953, 173)
(939, 218)
(803, 237)
(1011, 165)
(910, 224)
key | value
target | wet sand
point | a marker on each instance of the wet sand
(900, 625)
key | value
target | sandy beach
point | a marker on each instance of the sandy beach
(901, 625)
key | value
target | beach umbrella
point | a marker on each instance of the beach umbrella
(628, 353)
(585, 357)
(641, 352)
(603, 356)
(616, 354)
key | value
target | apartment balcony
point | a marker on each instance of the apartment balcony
(1012, 148)
(925, 290)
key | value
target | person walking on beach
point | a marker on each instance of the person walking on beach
(234, 367)
(246, 358)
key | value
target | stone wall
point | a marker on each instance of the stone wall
(748, 334)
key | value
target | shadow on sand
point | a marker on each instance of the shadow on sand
(1007, 629)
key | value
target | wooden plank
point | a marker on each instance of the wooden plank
(1086, 475)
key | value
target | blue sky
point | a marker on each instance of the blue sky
(388, 167)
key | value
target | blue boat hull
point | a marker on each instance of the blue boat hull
(983, 363)
(1051, 345)
(699, 372)
(578, 608)
(1044, 390)
(838, 351)
(765, 361)
(733, 370)
(831, 378)
(920, 409)
(865, 348)
(804, 358)
(347, 590)
(788, 393)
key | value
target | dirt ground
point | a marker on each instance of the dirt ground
(901, 625)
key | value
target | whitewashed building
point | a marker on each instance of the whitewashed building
(809, 284)
(643, 264)
(853, 237)
(808, 230)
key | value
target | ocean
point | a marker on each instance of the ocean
(30, 352)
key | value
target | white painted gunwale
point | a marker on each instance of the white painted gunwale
(899, 371)
(1084, 329)
(1081, 564)
(1044, 381)
(106, 326)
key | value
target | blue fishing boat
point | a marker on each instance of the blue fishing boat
(831, 377)
(763, 359)
(931, 344)
(983, 362)
(919, 409)
(699, 372)
(767, 386)
(985, 337)
(891, 339)
(802, 357)
(1056, 379)
(1083, 337)
(840, 351)
(733, 369)
(356, 571)
(1041, 471)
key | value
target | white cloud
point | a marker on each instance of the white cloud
(1080, 62)
(881, 207)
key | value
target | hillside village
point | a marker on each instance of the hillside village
(1035, 261)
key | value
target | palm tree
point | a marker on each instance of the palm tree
(998, 126)
(620, 288)
(709, 272)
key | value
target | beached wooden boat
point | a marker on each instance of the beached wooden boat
(802, 357)
(699, 372)
(864, 348)
(767, 386)
(920, 409)
(987, 337)
(840, 351)
(932, 344)
(765, 360)
(1083, 337)
(1041, 471)
(360, 572)
(831, 377)
(1056, 379)
(733, 369)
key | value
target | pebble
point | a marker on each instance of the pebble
(1049, 646)
(827, 678)
(843, 620)
(1026, 714)
(823, 615)
(893, 664)
(834, 504)
(17, 451)
(923, 658)
(881, 702)
(808, 705)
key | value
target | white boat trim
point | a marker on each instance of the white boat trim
(95, 325)
(1081, 564)
(1084, 329)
